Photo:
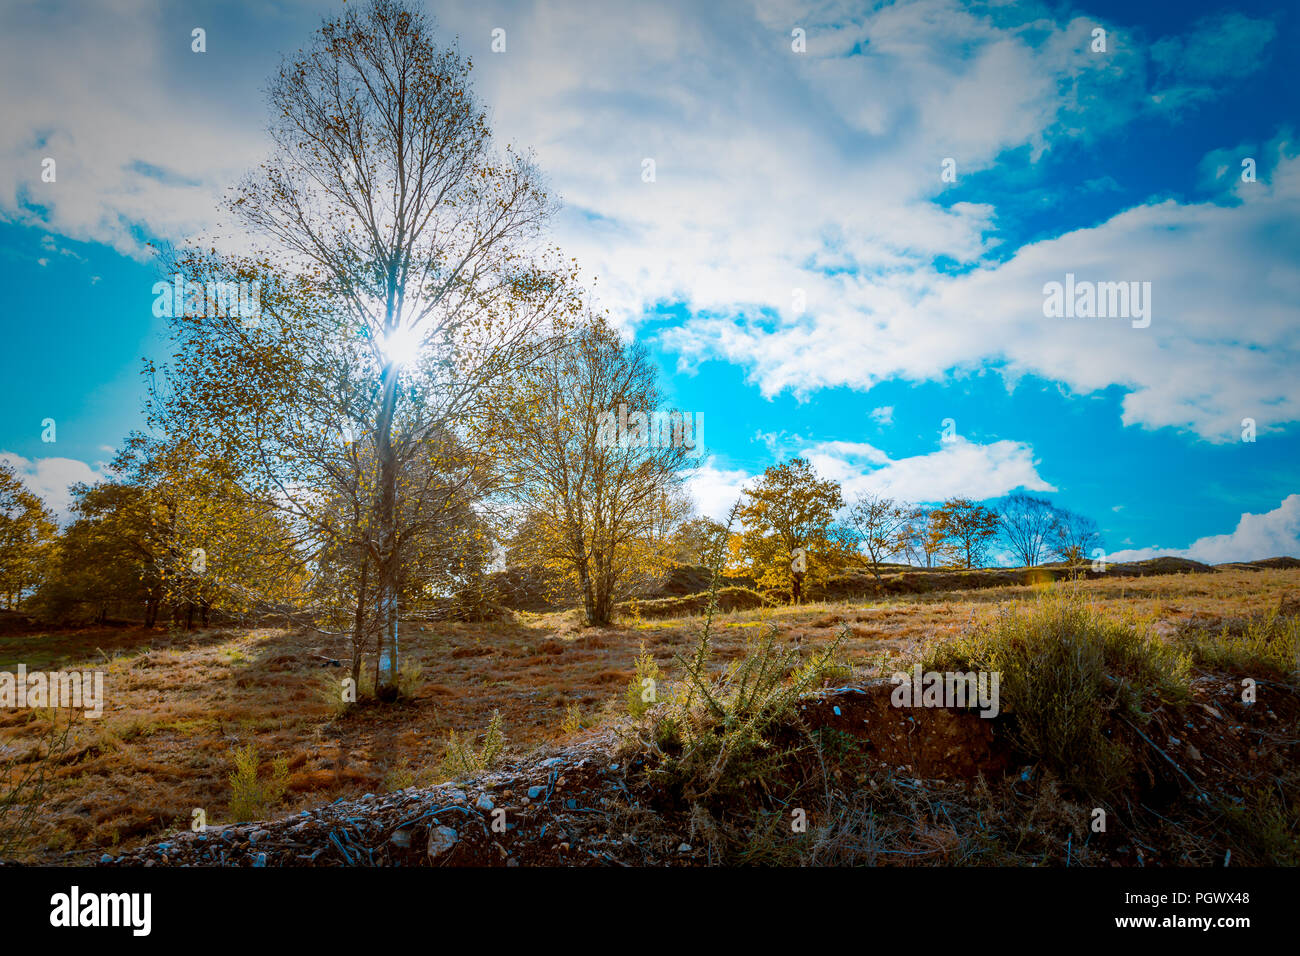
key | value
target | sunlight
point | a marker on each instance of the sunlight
(403, 346)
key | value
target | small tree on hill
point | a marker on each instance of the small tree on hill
(971, 527)
(1027, 526)
(789, 517)
(876, 525)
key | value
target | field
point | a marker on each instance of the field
(179, 703)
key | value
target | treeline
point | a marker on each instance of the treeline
(796, 531)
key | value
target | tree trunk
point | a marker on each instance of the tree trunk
(359, 624)
(386, 679)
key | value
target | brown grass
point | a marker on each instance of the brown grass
(178, 704)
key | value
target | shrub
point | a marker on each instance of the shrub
(719, 734)
(253, 797)
(461, 759)
(572, 720)
(641, 696)
(1269, 645)
(25, 781)
(1064, 670)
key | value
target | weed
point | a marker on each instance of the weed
(253, 797)
(461, 760)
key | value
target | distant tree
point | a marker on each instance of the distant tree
(969, 525)
(877, 525)
(923, 540)
(1074, 537)
(27, 529)
(596, 507)
(108, 559)
(1027, 525)
(788, 521)
(696, 539)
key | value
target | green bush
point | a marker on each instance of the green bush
(1269, 645)
(717, 735)
(647, 669)
(461, 760)
(253, 797)
(1065, 669)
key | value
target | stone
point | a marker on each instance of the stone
(441, 840)
(485, 803)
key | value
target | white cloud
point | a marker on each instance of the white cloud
(776, 171)
(142, 144)
(50, 478)
(1273, 534)
(883, 415)
(959, 468)
(1223, 342)
(715, 490)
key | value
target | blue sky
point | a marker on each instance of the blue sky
(799, 267)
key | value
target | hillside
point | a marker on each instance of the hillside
(1200, 760)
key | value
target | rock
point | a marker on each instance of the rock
(402, 838)
(535, 792)
(258, 835)
(485, 803)
(684, 848)
(551, 761)
(105, 859)
(441, 840)
(261, 860)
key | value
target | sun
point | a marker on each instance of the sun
(403, 347)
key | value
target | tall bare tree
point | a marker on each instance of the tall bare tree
(877, 525)
(386, 189)
(1074, 537)
(1026, 525)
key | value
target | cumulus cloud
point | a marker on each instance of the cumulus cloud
(959, 468)
(50, 478)
(1272, 534)
(1222, 344)
(715, 489)
(797, 207)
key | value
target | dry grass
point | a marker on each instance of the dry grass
(178, 704)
